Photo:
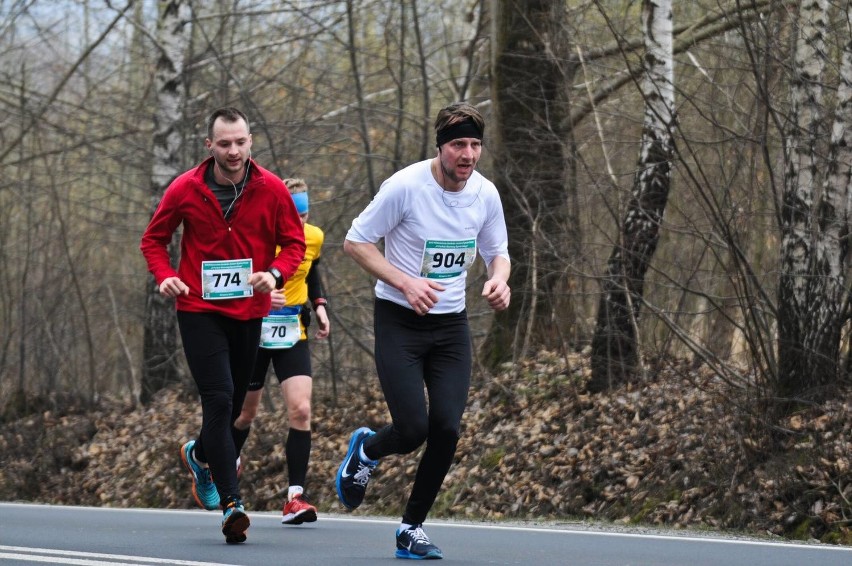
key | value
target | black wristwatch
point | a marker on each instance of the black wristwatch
(279, 279)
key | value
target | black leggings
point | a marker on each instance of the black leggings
(220, 352)
(411, 351)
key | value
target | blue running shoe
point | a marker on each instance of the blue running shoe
(203, 488)
(353, 473)
(415, 545)
(235, 522)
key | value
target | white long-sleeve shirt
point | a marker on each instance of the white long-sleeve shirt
(430, 232)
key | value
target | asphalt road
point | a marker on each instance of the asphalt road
(86, 536)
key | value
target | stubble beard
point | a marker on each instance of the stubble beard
(234, 173)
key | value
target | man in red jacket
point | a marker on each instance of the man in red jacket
(234, 214)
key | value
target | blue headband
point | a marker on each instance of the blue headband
(301, 201)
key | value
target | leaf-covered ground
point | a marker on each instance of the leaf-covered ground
(676, 451)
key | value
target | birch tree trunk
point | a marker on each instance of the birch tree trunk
(160, 347)
(615, 354)
(812, 287)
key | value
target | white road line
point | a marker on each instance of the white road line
(59, 560)
(86, 558)
(568, 530)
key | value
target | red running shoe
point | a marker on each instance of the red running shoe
(298, 511)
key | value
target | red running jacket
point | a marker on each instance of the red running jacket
(264, 217)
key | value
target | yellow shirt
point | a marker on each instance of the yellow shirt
(296, 287)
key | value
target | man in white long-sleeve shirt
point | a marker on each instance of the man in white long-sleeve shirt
(435, 217)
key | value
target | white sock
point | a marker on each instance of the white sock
(196, 460)
(293, 491)
(404, 527)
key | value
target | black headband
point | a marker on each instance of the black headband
(465, 129)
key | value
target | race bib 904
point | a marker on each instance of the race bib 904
(226, 279)
(444, 259)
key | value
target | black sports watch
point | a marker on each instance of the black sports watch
(279, 279)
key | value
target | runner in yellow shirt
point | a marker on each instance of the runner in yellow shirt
(284, 342)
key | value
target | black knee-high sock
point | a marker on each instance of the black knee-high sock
(240, 437)
(298, 451)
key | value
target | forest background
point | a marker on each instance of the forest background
(676, 180)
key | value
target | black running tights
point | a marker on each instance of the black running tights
(220, 352)
(413, 351)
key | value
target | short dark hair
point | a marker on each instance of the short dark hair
(228, 114)
(456, 113)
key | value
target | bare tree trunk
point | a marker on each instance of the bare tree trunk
(812, 286)
(615, 351)
(159, 367)
(425, 130)
(359, 95)
(532, 169)
(74, 282)
(23, 307)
